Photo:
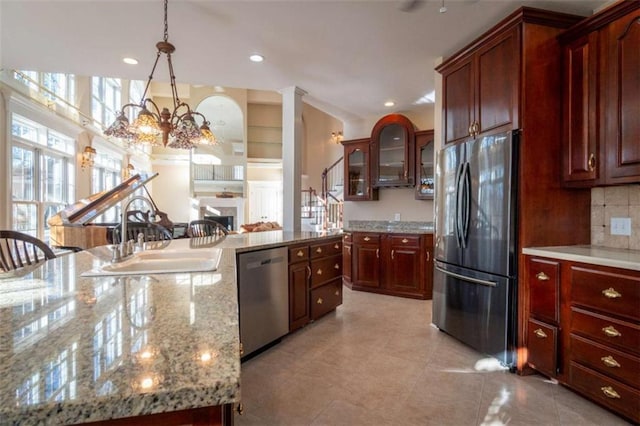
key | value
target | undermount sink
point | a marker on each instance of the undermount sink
(161, 262)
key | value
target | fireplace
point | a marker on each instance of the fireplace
(226, 221)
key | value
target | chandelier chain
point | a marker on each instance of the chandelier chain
(166, 22)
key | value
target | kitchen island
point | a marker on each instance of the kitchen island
(80, 349)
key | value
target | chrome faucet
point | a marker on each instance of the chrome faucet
(126, 247)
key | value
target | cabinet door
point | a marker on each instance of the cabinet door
(357, 171)
(346, 262)
(458, 101)
(405, 270)
(580, 119)
(622, 108)
(392, 151)
(425, 160)
(497, 81)
(298, 295)
(366, 271)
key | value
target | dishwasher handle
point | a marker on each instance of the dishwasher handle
(263, 262)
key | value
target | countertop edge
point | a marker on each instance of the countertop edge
(568, 253)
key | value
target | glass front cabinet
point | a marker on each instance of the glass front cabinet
(424, 165)
(393, 151)
(357, 171)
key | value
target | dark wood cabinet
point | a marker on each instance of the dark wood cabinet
(366, 259)
(347, 261)
(584, 330)
(299, 276)
(357, 171)
(601, 89)
(311, 268)
(425, 165)
(477, 98)
(393, 152)
(393, 264)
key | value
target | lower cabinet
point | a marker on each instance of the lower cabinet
(315, 274)
(584, 330)
(394, 264)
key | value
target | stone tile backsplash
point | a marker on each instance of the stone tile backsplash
(615, 201)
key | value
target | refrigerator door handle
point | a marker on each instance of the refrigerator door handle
(466, 213)
(458, 227)
(465, 278)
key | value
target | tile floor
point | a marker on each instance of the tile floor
(377, 361)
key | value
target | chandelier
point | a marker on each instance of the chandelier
(178, 127)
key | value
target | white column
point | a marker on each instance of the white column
(5, 164)
(292, 134)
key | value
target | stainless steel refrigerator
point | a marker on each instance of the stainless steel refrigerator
(475, 274)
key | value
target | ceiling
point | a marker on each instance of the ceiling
(349, 56)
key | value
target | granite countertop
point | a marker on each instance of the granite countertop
(383, 226)
(603, 256)
(79, 349)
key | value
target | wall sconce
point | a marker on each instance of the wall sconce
(336, 137)
(128, 171)
(88, 157)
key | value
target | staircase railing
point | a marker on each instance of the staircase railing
(325, 209)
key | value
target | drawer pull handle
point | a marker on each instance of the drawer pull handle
(309, 272)
(336, 266)
(539, 333)
(392, 252)
(336, 246)
(610, 293)
(349, 249)
(610, 361)
(610, 331)
(337, 292)
(346, 237)
(241, 349)
(240, 409)
(319, 250)
(609, 392)
(378, 253)
(405, 241)
(541, 276)
(367, 239)
(319, 272)
(300, 253)
(319, 301)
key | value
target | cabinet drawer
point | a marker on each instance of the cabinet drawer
(298, 254)
(608, 361)
(326, 298)
(323, 270)
(361, 238)
(405, 241)
(621, 335)
(607, 291)
(619, 397)
(542, 347)
(327, 248)
(543, 277)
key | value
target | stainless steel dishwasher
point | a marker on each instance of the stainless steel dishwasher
(263, 295)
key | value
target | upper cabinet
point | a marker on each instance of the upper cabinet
(392, 151)
(479, 93)
(601, 89)
(357, 171)
(424, 165)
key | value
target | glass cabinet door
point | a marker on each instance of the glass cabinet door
(424, 165)
(392, 155)
(357, 171)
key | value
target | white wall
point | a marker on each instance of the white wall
(319, 150)
(391, 200)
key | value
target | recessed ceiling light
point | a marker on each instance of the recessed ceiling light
(389, 103)
(256, 58)
(130, 61)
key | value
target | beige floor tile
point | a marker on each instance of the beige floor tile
(378, 361)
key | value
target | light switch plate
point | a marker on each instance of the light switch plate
(396, 217)
(620, 226)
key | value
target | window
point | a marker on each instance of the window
(105, 99)
(57, 87)
(107, 174)
(136, 90)
(42, 175)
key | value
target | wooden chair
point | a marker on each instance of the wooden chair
(151, 232)
(206, 228)
(18, 250)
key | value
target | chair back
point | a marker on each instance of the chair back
(206, 228)
(150, 231)
(18, 250)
